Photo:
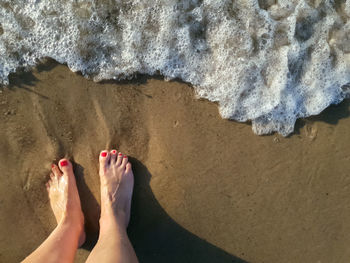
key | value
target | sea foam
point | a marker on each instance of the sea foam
(268, 61)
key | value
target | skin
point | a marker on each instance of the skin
(113, 245)
(117, 182)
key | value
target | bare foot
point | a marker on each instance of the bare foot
(117, 182)
(64, 197)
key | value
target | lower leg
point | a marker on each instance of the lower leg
(113, 244)
(116, 191)
(63, 242)
(60, 246)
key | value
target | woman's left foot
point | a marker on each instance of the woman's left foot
(64, 198)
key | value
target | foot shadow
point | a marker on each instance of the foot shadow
(156, 237)
(90, 207)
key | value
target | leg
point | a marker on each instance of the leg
(63, 242)
(117, 182)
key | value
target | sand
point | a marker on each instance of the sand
(206, 189)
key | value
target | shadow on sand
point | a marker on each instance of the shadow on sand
(331, 115)
(155, 236)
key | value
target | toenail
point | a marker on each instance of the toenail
(114, 151)
(125, 156)
(120, 154)
(52, 166)
(64, 163)
(103, 154)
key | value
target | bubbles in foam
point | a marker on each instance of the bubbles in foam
(269, 61)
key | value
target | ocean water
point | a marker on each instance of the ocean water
(268, 61)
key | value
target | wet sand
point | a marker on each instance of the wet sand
(206, 189)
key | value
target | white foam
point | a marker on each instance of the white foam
(269, 61)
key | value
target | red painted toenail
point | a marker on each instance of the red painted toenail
(125, 156)
(103, 154)
(120, 154)
(114, 151)
(64, 163)
(52, 166)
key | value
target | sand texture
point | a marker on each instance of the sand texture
(206, 189)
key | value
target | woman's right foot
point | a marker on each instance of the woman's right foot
(117, 182)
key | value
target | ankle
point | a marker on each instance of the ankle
(74, 223)
(114, 219)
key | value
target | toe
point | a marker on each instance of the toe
(125, 160)
(128, 167)
(104, 159)
(52, 177)
(119, 159)
(47, 186)
(53, 180)
(113, 156)
(56, 171)
(65, 166)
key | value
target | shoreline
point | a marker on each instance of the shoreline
(257, 198)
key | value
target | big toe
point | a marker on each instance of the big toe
(66, 167)
(104, 159)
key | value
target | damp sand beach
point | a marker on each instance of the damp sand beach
(206, 189)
